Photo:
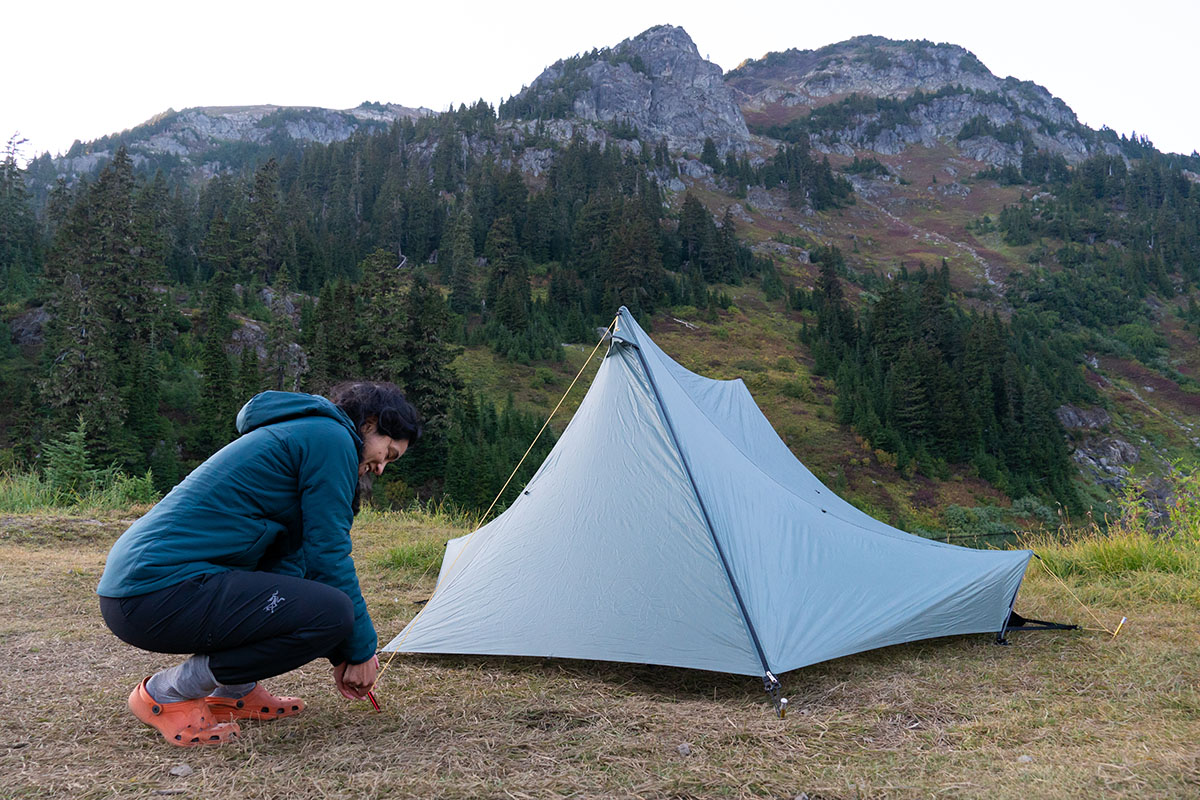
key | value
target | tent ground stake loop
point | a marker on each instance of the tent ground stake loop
(772, 686)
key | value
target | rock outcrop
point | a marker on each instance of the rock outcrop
(655, 83)
(1075, 418)
(958, 88)
(1108, 458)
(205, 139)
(26, 328)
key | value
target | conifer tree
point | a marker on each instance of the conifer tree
(538, 234)
(264, 247)
(381, 320)
(81, 376)
(460, 253)
(19, 246)
(709, 156)
(69, 469)
(508, 290)
(634, 277)
(102, 304)
(726, 268)
(285, 361)
(218, 403)
(217, 249)
(249, 376)
(428, 380)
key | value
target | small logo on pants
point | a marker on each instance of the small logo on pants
(273, 602)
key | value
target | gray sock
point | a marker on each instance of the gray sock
(188, 681)
(233, 691)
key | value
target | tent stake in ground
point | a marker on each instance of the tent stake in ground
(671, 525)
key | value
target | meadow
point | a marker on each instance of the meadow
(1055, 714)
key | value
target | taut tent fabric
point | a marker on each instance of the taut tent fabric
(671, 525)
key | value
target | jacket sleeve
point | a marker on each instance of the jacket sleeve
(327, 476)
(289, 564)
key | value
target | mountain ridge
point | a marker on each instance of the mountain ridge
(204, 140)
(656, 86)
(1029, 213)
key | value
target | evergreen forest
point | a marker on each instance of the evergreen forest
(165, 304)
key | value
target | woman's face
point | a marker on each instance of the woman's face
(378, 450)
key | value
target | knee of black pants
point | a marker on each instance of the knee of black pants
(336, 619)
(344, 615)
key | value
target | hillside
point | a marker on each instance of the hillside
(957, 304)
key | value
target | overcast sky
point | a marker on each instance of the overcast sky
(74, 70)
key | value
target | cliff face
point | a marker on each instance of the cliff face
(958, 89)
(868, 65)
(655, 82)
(206, 140)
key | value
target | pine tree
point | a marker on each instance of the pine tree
(508, 290)
(286, 362)
(381, 320)
(217, 249)
(709, 155)
(726, 268)
(835, 321)
(460, 254)
(19, 246)
(81, 375)
(264, 247)
(428, 381)
(69, 469)
(218, 404)
(249, 377)
(143, 425)
(538, 234)
(909, 401)
(635, 265)
(696, 232)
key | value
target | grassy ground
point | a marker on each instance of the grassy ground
(1054, 715)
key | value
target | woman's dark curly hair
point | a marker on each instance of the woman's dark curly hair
(382, 403)
(379, 402)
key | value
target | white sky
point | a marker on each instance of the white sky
(80, 70)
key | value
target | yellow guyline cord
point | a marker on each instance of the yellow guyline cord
(483, 519)
(1084, 605)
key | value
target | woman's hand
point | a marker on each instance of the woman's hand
(355, 680)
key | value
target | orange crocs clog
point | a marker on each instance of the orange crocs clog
(258, 703)
(188, 723)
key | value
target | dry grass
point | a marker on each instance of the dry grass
(943, 718)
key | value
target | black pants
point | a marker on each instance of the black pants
(251, 625)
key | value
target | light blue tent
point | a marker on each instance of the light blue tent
(671, 525)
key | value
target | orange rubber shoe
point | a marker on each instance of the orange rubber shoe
(258, 703)
(188, 723)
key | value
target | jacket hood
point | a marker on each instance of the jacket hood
(268, 408)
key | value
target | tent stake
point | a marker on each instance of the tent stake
(772, 686)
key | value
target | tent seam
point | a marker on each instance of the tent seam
(704, 510)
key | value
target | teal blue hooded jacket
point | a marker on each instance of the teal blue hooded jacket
(279, 499)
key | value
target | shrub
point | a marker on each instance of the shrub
(69, 468)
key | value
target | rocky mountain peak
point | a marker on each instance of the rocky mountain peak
(655, 83)
(926, 93)
(870, 65)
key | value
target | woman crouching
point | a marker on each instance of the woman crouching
(247, 564)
